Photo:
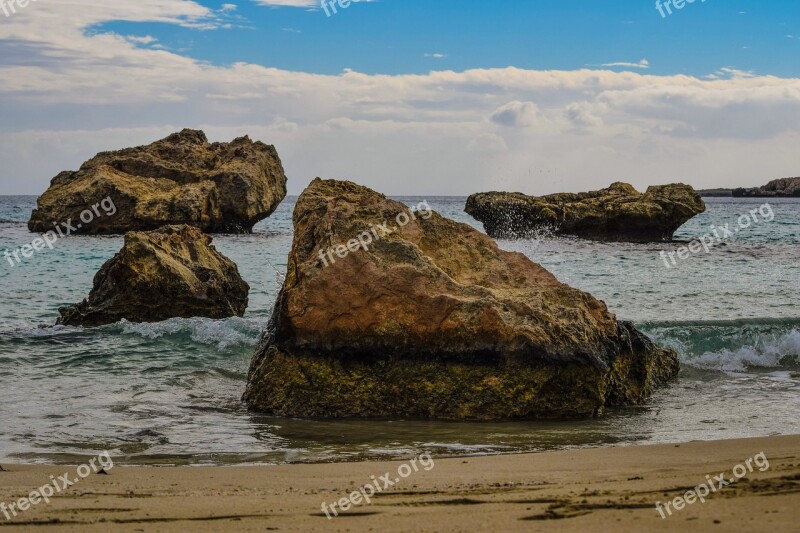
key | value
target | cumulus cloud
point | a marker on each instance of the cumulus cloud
(68, 94)
(585, 114)
(517, 114)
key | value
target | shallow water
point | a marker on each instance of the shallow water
(170, 392)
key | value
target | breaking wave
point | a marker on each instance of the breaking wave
(732, 346)
(224, 334)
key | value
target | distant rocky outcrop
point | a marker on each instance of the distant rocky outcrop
(618, 213)
(433, 320)
(782, 188)
(171, 272)
(715, 193)
(182, 179)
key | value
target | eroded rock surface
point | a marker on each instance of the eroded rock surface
(618, 213)
(182, 179)
(435, 321)
(168, 273)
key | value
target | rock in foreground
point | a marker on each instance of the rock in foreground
(168, 273)
(433, 320)
(182, 179)
(782, 188)
(618, 213)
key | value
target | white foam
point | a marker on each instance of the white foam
(224, 334)
(774, 353)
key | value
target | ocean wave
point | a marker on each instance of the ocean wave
(732, 346)
(782, 353)
(42, 331)
(224, 333)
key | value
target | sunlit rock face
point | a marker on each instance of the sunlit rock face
(433, 320)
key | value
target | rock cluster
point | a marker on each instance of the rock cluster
(618, 213)
(182, 179)
(435, 321)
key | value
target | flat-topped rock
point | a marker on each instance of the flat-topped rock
(167, 273)
(617, 213)
(432, 320)
(182, 179)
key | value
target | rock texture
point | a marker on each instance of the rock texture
(618, 213)
(171, 272)
(783, 188)
(182, 179)
(435, 321)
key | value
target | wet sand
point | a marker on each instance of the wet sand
(604, 489)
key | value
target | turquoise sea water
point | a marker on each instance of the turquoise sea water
(170, 392)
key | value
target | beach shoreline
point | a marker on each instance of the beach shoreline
(598, 489)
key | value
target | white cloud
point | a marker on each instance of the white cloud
(68, 95)
(147, 39)
(585, 114)
(516, 114)
(644, 63)
(731, 73)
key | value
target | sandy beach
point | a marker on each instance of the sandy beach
(604, 489)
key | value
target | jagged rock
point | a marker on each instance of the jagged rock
(182, 179)
(782, 188)
(618, 213)
(435, 321)
(167, 273)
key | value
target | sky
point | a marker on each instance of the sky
(413, 97)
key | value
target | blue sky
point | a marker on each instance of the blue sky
(400, 36)
(414, 97)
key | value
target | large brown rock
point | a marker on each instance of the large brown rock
(618, 213)
(781, 188)
(182, 179)
(168, 273)
(434, 320)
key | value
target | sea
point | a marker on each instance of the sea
(170, 392)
